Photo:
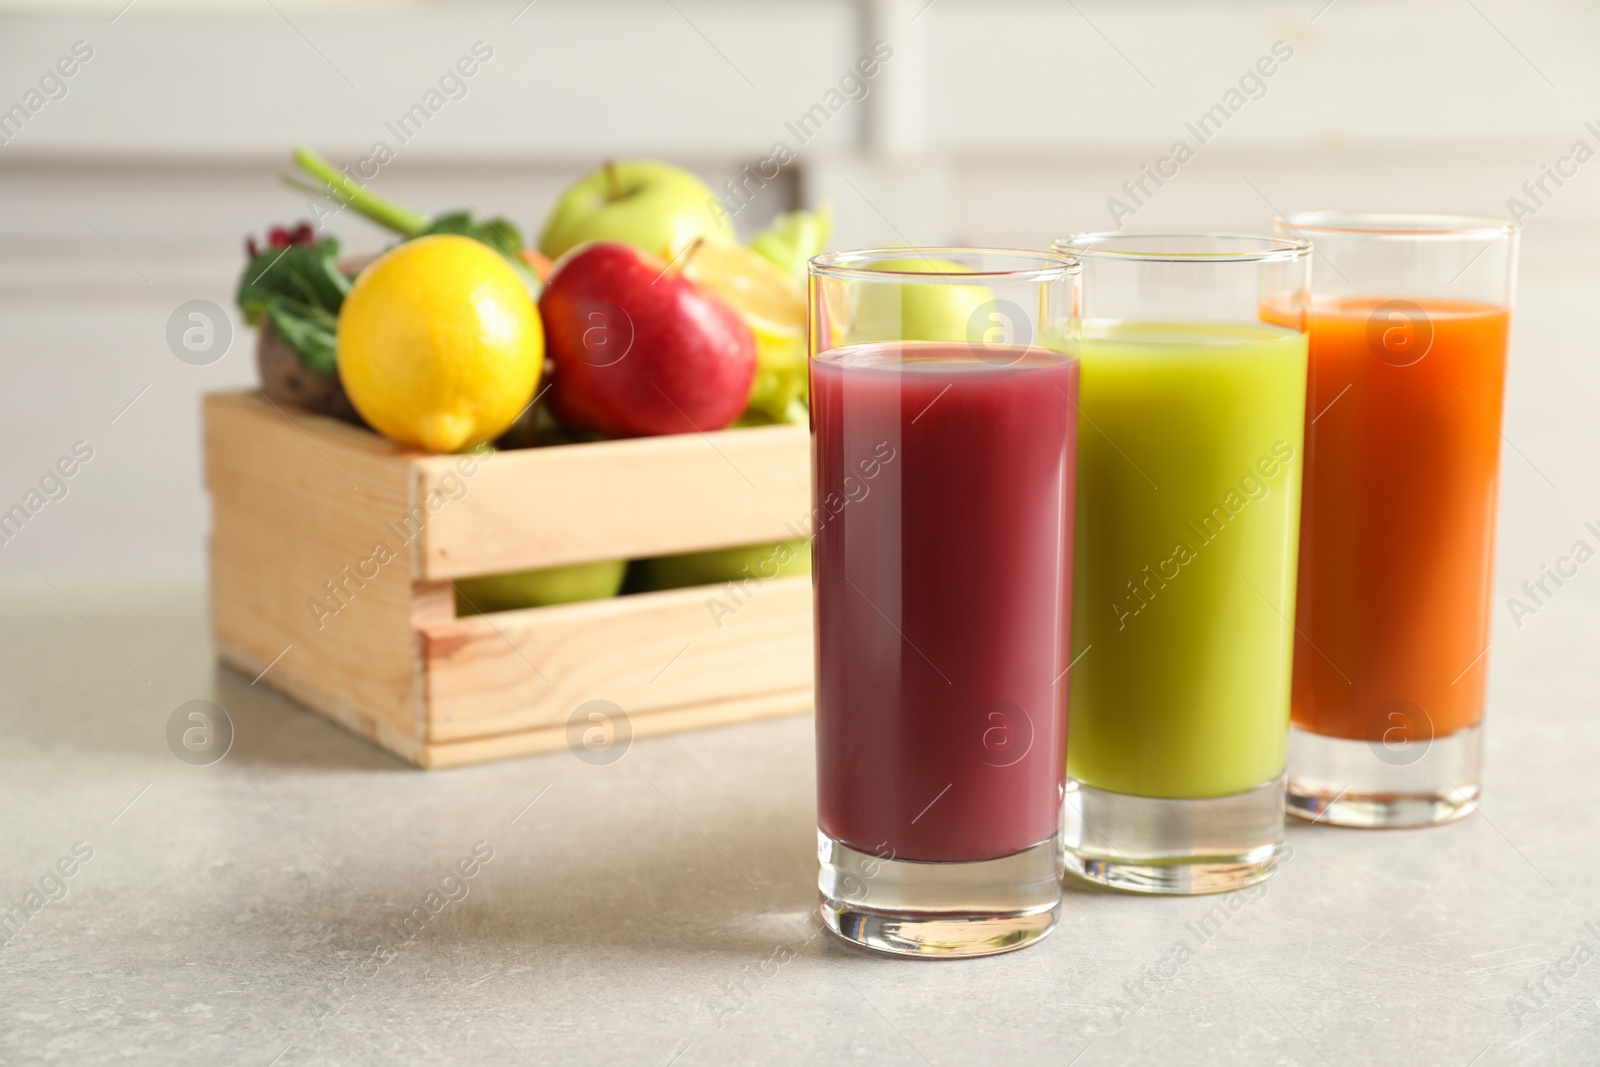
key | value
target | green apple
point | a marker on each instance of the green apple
(650, 205)
(919, 312)
(755, 562)
(537, 589)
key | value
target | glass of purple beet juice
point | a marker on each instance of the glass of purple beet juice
(944, 385)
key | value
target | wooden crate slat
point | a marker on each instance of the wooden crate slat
(615, 499)
(699, 716)
(528, 670)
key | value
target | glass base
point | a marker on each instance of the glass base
(913, 908)
(1172, 845)
(1380, 786)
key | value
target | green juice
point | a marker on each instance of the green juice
(1188, 518)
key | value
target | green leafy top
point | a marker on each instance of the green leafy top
(299, 288)
(498, 233)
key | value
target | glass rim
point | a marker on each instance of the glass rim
(1404, 225)
(856, 263)
(1262, 248)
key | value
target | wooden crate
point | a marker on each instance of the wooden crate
(308, 510)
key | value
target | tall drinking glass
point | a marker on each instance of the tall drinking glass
(943, 455)
(1409, 323)
(1190, 414)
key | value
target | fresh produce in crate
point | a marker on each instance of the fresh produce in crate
(498, 233)
(650, 205)
(637, 348)
(746, 563)
(295, 287)
(439, 345)
(285, 376)
(775, 311)
(657, 322)
(792, 239)
(765, 285)
(292, 290)
(540, 588)
(922, 312)
(782, 388)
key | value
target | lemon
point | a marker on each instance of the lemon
(771, 304)
(440, 344)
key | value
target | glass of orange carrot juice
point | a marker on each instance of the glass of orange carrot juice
(1409, 321)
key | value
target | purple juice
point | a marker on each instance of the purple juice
(942, 494)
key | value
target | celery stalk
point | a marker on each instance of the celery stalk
(385, 213)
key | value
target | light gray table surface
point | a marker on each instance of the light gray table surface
(658, 910)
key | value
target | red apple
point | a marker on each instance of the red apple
(638, 349)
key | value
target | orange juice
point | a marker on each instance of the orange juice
(1402, 456)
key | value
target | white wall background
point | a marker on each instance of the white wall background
(997, 121)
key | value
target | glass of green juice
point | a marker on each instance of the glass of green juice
(1191, 412)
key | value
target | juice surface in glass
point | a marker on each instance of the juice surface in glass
(1188, 507)
(943, 515)
(1397, 533)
